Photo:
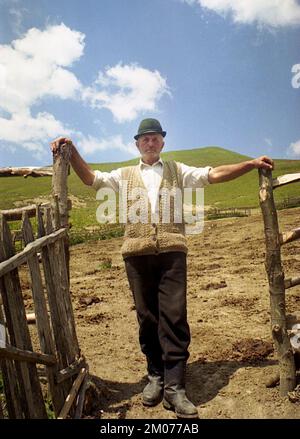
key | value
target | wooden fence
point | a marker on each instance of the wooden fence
(46, 258)
(288, 202)
(277, 283)
(215, 212)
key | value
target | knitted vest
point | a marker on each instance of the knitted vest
(144, 237)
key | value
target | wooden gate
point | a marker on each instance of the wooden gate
(277, 283)
(58, 345)
(56, 348)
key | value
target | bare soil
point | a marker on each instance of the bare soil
(231, 352)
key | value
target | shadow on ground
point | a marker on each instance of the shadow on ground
(204, 382)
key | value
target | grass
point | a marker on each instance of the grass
(241, 193)
(105, 264)
(49, 409)
(80, 236)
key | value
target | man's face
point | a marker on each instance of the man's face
(150, 146)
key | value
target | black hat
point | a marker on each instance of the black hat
(149, 126)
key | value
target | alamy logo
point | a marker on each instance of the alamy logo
(172, 206)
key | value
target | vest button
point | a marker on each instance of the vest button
(154, 238)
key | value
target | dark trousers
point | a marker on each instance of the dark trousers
(158, 284)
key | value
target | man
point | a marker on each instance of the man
(155, 257)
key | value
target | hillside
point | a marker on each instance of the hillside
(242, 193)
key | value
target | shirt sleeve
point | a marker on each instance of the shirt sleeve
(107, 179)
(195, 177)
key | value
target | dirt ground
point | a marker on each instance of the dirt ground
(231, 352)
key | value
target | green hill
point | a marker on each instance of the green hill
(16, 191)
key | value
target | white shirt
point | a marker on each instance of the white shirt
(152, 175)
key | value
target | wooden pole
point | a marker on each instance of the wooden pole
(25, 172)
(41, 313)
(73, 392)
(16, 214)
(291, 235)
(285, 179)
(276, 284)
(57, 290)
(292, 282)
(61, 169)
(28, 356)
(54, 301)
(81, 397)
(70, 370)
(11, 388)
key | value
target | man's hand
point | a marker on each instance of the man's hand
(57, 143)
(82, 169)
(263, 162)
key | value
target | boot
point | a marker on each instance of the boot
(174, 392)
(153, 392)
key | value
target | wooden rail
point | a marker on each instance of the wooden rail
(292, 282)
(285, 179)
(289, 236)
(16, 214)
(26, 172)
(30, 249)
(32, 357)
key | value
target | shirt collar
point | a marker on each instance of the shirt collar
(145, 165)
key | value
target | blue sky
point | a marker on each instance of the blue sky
(214, 72)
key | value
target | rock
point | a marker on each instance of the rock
(273, 380)
(215, 285)
(87, 301)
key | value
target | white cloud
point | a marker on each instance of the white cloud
(57, 45)
(273, 13)
(127, 90)
(31, 132)
(91, 144)
(31, 68)
(63, 84)
(294, 149)
(37, 65)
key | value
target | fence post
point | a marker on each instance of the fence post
(276, 283)
(61, 169)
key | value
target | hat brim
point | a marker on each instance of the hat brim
(163, 133)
